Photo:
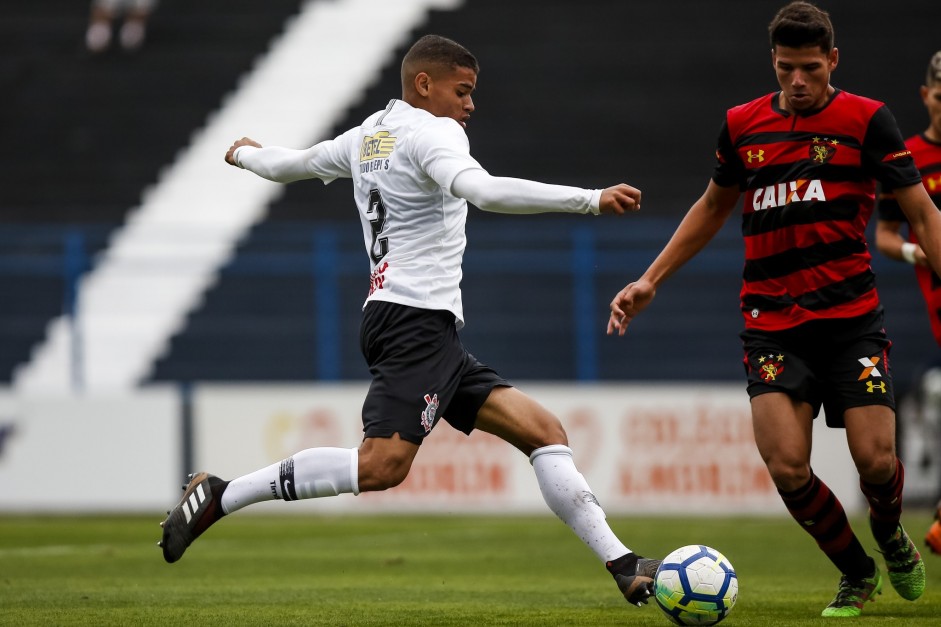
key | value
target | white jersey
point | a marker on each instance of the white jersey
(403, 161)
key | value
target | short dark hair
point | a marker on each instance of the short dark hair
(933, 76)
(801, 24)
(435, 51)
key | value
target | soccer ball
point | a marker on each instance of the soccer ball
(696, 585)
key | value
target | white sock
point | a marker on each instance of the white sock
(567, 494)
(312, 473)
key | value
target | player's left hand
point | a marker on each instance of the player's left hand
(245, 141)
(619, 199)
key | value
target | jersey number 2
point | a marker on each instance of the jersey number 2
(376, 214)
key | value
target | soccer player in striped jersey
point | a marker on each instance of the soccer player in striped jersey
(806, 160)
(926, 150)
(413, 176)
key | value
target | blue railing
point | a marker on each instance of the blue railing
(536, 294)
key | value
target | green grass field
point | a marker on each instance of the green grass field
(403, 570)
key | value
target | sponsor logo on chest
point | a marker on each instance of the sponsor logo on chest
(375, 151)
(801, 190)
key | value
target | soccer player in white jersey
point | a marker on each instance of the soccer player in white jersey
(413, 176)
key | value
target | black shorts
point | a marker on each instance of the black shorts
(838, 364)
(420, 373)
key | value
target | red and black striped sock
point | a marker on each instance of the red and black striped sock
(885, 503)
(821, 515)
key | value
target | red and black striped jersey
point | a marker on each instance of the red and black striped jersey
(927, 155)
(809, 184)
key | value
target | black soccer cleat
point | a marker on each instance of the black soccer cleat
(634, 576)
(197, 511)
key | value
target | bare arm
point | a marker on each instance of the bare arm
(925, 220)
(702, 222)
(890, 242)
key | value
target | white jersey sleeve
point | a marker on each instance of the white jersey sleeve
(520, 196)
(327, 160)
(440, 148)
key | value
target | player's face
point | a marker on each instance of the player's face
(804, 76)
(449, 94)
(932, 99)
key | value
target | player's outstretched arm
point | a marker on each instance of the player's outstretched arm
(500, 194)
(699, 226)
(326, 160)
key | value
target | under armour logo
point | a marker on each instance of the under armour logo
(760, 155)
(872, 387)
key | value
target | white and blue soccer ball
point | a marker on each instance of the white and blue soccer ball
(696, 585)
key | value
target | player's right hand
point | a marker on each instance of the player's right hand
(628, 303)
(619, 199)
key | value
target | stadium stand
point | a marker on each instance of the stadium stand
(576, 90)
(158, 264)
(89, 135)
(588, 94)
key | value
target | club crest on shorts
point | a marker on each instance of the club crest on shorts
(428, 415)
(770, 367)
